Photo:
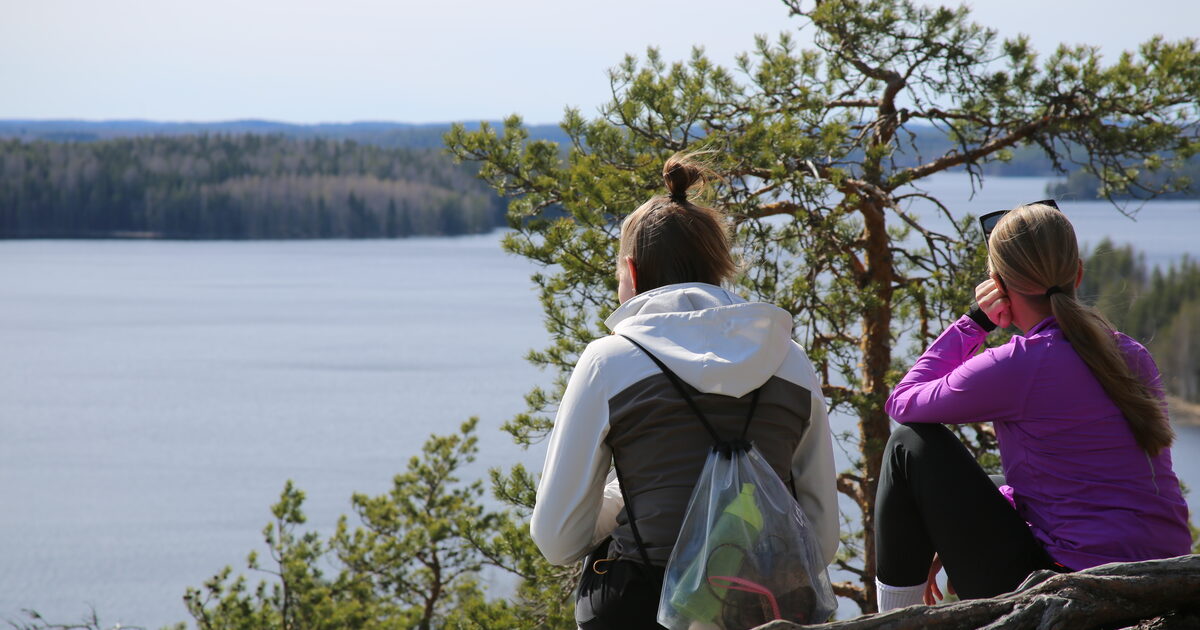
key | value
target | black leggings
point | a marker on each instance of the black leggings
(934, 497)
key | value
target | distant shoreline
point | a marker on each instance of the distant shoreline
(1025, 162)
(158, 236)
(1183, 412)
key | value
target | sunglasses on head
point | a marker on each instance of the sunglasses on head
(988, 221)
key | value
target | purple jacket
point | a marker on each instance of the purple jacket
(1089, 493)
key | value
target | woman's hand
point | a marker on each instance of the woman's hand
(994, 302)
(933, 594)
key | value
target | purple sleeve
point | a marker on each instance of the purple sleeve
(951, 384)
(1139, 360)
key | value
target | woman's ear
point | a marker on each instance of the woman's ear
(1079, 274)
(626, 279)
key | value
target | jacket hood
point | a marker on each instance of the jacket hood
(713, 339)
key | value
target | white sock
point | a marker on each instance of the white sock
(893, 597)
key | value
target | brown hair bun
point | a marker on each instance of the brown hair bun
(672, 240)
(682, 172)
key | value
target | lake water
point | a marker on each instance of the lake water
(154, 396)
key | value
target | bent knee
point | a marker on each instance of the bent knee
(917, 437)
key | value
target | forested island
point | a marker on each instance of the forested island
(389, 135)
(1082, 185)
(246, 186)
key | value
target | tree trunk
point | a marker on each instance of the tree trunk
(1151, 595)
(876, 348)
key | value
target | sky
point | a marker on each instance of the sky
(308, 61)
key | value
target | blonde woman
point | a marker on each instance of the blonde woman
(1081, 422)
(621, 410)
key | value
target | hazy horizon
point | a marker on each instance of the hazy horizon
(312, 62)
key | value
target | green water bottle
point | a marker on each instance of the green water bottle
(735, 533)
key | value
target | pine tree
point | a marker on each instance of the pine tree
(821, 171)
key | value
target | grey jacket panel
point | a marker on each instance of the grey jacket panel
(718, 344)
(661, 446)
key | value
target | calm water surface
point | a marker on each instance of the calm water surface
(154, 396)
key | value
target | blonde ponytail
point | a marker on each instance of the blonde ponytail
(1093, 338)
(1035, 252)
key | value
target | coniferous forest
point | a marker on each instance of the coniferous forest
(236, 187)
(265, 180)
(1158, 307)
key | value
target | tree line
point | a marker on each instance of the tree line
(1171, 183)
(236, 187)
(389, 135)
(1181, 182)
(1022, 161)
(1158, 307)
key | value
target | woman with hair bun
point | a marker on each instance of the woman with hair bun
(621, 410)
(1080, 418)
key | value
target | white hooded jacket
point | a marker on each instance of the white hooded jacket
(721, 345)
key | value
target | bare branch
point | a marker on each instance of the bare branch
(860, 102)
(851, 592)
(951, 160)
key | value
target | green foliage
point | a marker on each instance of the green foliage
(544, 591)
(410, 564)
(822, 173)
(235, 187)
(1161, 309)
(410, 549)
(1177, 350)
